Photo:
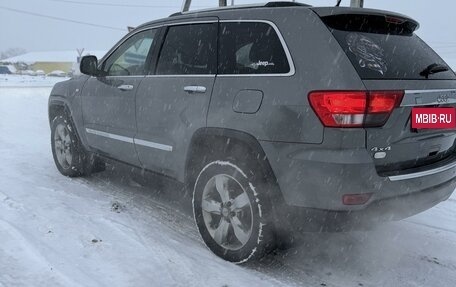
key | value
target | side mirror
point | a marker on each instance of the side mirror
(89, 66)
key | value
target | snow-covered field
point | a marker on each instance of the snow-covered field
(107, 230)
(29, 81)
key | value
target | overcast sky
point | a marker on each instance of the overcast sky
(37, 33)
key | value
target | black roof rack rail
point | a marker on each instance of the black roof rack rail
(285, 4)
(275, 4)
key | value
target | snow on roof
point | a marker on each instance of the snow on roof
(51, 56)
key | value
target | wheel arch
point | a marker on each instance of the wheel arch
(222, 139)
(205, 138)
(60, 106)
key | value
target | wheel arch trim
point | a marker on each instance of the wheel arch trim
(61, 101)
(245, 138)
(241, 136)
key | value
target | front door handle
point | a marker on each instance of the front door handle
(195, 89)
(125, 87)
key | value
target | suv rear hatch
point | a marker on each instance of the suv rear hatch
(389, 56)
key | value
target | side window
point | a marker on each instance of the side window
(131, 57)
(189, 49)
(251, 48)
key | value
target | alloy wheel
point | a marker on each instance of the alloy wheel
(227, 212)
(62, 146)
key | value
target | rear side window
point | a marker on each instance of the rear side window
(189, 49)
(251, 48)
(382, 49)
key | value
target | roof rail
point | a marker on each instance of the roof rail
(276, 4)
(285, 4)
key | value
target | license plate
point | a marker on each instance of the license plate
(433, 118)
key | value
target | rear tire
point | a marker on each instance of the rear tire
(232, 210)
(70, 157)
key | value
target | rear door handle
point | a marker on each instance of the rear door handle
(125, 87)
(195, 89)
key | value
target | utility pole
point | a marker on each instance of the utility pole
(357, 3)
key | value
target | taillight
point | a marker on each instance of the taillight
(395, 20)
(345, 109)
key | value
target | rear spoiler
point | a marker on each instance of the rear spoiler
(391, 18)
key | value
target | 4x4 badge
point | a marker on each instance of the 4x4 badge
(376, 149)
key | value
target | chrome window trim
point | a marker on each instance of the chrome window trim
(422, 173)
(109, 77)
(183, 76)
(284, 47)
(141, 142)
(190, 22)
(272, 24)
(413, 98)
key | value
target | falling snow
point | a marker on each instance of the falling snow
(108, 230)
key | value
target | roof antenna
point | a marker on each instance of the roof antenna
(338, 3)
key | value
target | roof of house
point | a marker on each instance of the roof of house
(51, 56)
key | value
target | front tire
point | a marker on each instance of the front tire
(231, 212)
(69, 156)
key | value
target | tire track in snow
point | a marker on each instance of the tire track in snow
(429, 226)
(10, 203)
(25, 248)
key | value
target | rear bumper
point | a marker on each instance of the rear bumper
(316, 179)
(379, 211)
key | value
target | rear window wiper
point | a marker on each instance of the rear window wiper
(433, 69)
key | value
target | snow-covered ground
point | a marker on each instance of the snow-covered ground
(107, 230)
(29, 81)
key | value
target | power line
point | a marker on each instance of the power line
(60, 19)
(116, 5)
(444, 43)
(445, 46)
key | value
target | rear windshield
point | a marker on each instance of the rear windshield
(384, 51)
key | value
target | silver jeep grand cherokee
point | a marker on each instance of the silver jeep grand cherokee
(274, 116)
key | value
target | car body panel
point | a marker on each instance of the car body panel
(407, 147)
(314, 166)
(109, 116)
(167, 115)
(285, 115)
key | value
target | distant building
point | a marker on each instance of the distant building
(49, 61)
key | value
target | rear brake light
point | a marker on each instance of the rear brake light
(394, 20)
(346, 109)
